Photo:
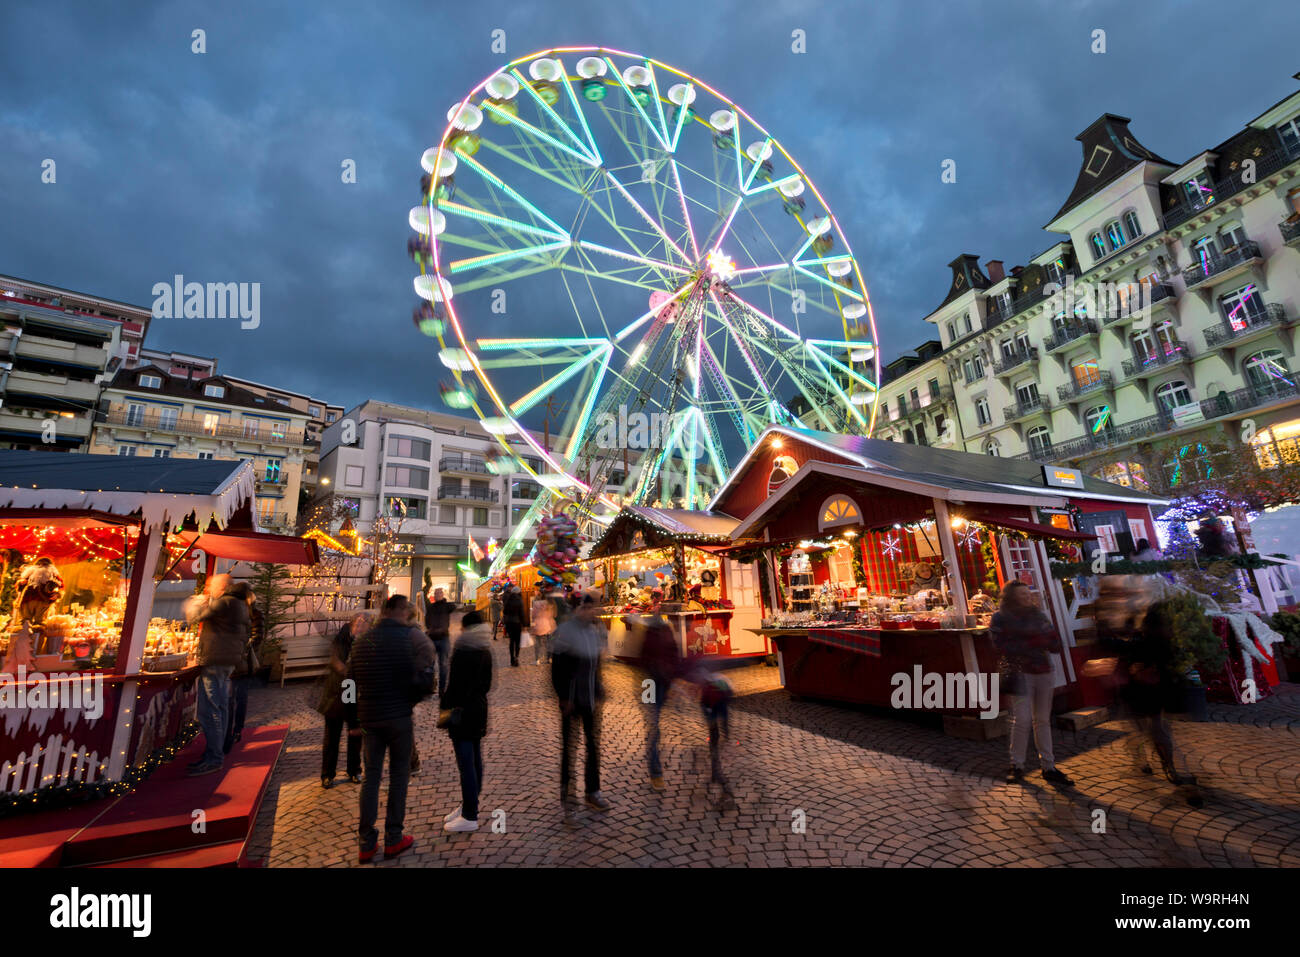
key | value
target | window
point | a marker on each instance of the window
(1086, 373)
(329, 417)
(518, 513)
(968, 370)
(135, 414)
(1055, 273)
(1290, 134)
(167, 418)
(215, 391)
(1173, 395)
(908, 437)
(273, 470)
(1230, 236)
(480, 517)
(1098, 420)
(313, 411)
(1008, 348)
(1204, 249)
(210, 423)
(934, 388)
(978, 362)
(1131, 225)
(265, 511)
(354, 476)
(150, 382)
(162, 453)
(1115, 235)
(1022, 343)
(965, 321)
(205, 455)
(1040, 441)
(1027, 395)
(982, 415)
(993, 447)
(405, 447)
(402, 507)
(1241, 306)
(952, 333)
(1154, 343)
(884, 410)
(1098, 245)
(251, 427)
(920, 434)
(278, 430)
(446, 515)
(126, 450)
(915, 395)
(1198, 191)
(1128, 474)
(403, 476)
(941, 427)
(902, 406)
(1267, 372)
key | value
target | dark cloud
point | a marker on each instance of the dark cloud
(226, 166)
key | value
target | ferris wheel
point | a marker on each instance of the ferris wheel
(603, 234)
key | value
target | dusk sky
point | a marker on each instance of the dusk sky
(225, 166)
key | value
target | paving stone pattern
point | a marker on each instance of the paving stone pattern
(814, 784)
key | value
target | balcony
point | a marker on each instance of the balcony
(1001, 314)
(1068, 333)
(1009, 363)
(1266, 166)
(276, 520)
(271, 483)
(1120, 314)
(1039, 405)
(527, 491)
(1108, 438)
(1172, 354)
(456, 493)
(1213, 269)
(1252, 397)
(60, 352)
(1290, 230)
(186, 425)
(56, 391)
(69, 431)
(456, 463)
(1247, 324)
(1078, 391)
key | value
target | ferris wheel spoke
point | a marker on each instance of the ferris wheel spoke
(660, 135)
(511, 119)
(587, 149)
(668, 240)
(681, 195)
(618, 254)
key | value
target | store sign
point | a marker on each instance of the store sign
(1062, 478)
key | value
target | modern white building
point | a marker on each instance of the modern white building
(1158, 328)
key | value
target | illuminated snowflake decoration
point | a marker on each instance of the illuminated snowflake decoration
(892, 546)
(970, 538)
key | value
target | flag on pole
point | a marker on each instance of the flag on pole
(475, 552)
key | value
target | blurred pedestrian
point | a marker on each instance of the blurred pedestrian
(437, 625)
(1145, 553)
(575, 675)
(512, 620)
(242, 676)
(224, 622)
(464, 713)
(541, 625)
(339, 705)
(392, 665)
(716, 693)
(1026, 639)
(661, 659)
(494, 609)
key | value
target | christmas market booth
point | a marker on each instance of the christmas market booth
(878, 558)
(94, 688)
(675, 562)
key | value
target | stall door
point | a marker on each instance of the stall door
(1021, 562)
(742, 589)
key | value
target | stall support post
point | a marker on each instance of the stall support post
(130, 651)
(957, 588)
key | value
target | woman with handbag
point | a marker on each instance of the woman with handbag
(1027, 640)
(242, 676)
(336, 710)
(464, 714)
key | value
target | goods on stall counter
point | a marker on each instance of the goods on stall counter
(981, 604)
(556, 554)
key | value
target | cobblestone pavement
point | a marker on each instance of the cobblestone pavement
(814, 784)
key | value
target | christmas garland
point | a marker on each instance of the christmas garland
(1121, 567)
(79, 792)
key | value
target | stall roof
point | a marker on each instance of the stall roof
(693, 527)
(941, 467)
(160, 490)
(256, 547)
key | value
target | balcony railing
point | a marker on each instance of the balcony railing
(1251, 320)
(1134, 304)
(1172, 354)
(187, 425)
(1070, 332)
(1251, 397)
(1000, 314)
(1231, 185)
(1026, 407)
(1103, 439)
(1008, 363)
(456, 492)
(1211, 266)
(454, 463)
(275, 520)
(1077, 390)
(1290, 230)
(273, 480)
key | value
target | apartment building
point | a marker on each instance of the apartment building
(133, 321)
(1152, 331)
(147, 410)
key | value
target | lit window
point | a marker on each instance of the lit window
(1098, 245)
(1131, 225)
(1115, 235)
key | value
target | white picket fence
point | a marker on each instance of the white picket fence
(55, 763)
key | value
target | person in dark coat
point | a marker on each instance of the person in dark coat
(242, 677)
(387, 664)
(575, 674)
(437, 625)
(512, 620)
(465, 713)
(224, 623)
(661, 660)
(340, 708)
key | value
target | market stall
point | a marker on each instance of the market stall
(675, 562)
(878, 559)
(98, 685)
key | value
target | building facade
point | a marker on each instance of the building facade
(147, 410)
(1160, 327)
